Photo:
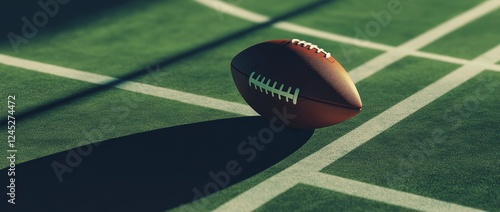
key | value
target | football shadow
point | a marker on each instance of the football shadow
(155, 170)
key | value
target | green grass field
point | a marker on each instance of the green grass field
(447, 151)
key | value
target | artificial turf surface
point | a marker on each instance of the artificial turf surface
(471, 40)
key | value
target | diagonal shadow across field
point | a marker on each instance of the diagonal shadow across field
(155, 170)
(54, 14)
(170, 60)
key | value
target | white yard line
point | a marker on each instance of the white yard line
(409, 49)
(151, 90)
(381, 194)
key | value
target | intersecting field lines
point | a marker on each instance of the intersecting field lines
(457, 22)
(393, 115)
(281, 182)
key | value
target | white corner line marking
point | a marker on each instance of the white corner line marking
(380, 194)
(387, 58)
(410, 49)
(142, 88)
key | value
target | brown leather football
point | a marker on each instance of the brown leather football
(296, 82)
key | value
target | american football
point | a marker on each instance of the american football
(249, 105)
(296, 77)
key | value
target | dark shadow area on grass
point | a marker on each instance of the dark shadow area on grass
(59, 14)
(155, 170)
(169, 61)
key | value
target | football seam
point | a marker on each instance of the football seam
(306, 97)
(259, 85)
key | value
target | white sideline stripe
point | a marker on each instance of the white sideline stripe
(411, 50)
(161, 92)
(273, 186)
(381, 194)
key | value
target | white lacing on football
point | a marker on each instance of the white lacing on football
(260, 83)
(311, 46)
